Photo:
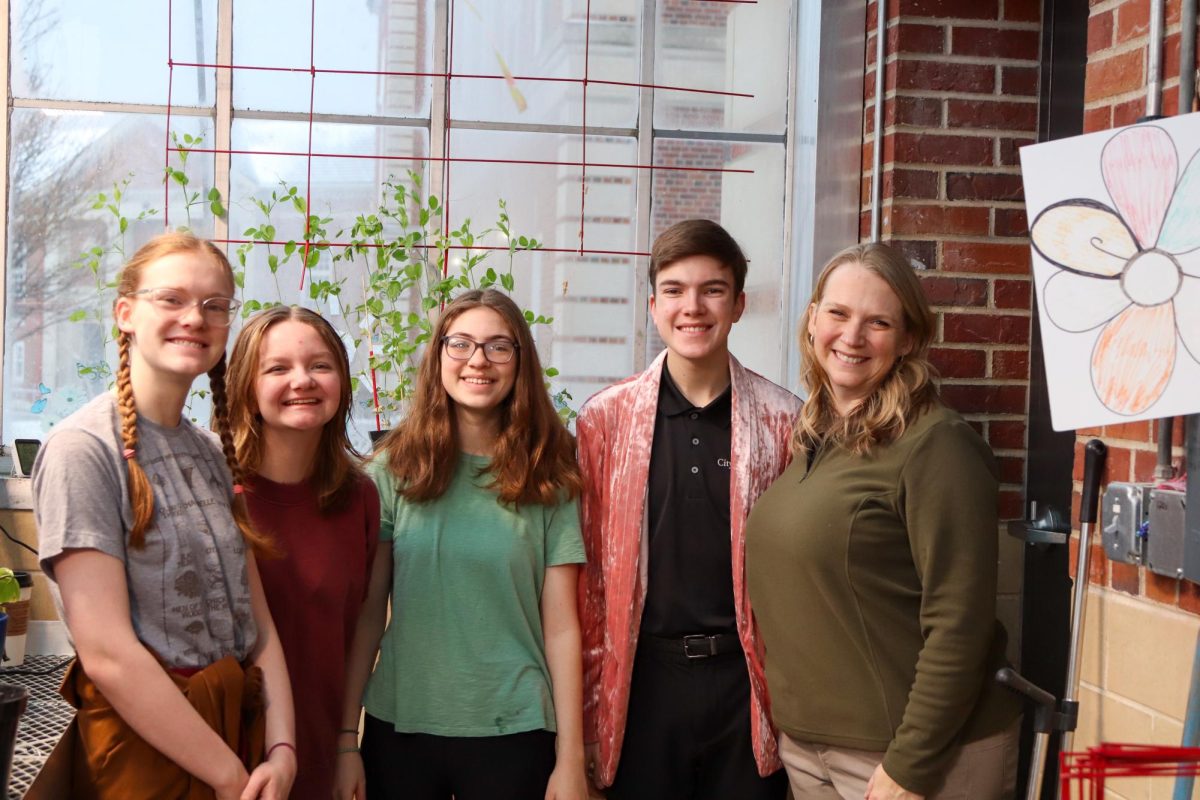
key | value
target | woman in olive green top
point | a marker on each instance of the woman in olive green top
(871, 562)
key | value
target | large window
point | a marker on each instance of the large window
(684, 113)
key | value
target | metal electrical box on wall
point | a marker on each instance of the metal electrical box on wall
(1191, 551)
(1165, 542)
(1123, 512)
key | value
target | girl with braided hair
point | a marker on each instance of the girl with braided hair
(180, 682)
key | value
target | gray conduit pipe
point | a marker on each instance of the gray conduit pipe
(877, 151)
(1154, 65)
(1187, 56)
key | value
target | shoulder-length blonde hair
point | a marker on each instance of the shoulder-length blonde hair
(906, 391)
(335, 466)
(141, 495)
(533, 460)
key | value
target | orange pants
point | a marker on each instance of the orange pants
(104, 759)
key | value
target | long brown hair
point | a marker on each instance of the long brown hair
(336, 464)
(906, 391)
(141, 495)
(533, 460)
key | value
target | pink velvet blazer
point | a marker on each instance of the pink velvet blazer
(615, 430)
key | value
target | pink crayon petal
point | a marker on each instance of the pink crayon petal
(1140, 166)
(1134, 357)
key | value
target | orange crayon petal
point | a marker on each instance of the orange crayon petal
(1134, 357)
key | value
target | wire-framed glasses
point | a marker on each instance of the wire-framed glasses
(218, 311)
(497, 351)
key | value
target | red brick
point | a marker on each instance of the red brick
(1134, 431)
(909, 38)
(1161, 588)
(1097, 561)
(983, 186)
(1114, 75)
(1023, 10)
(1097, 119)
(1010, 222)
(977, 399)
(1128, 112)
(929, 148)
(1012, 469)
(995, 115)
(1189, 597)
(1125, 577)
(1013, 259)
(1116, 465)
(1010, 364)
(1019, 81)
(948, 291)
(959, 363)
(922, 254)
(925, 112)
(985, 329)
(916, 183)
(1170, 56)
(1144, 462)
(961, 220)
(1012, 294)
(1133, 20)
(995, 43)
(1010, 151)
(1011, 504)
(939, 76)
(1100, 32)
(1004, 435)
(955, 9)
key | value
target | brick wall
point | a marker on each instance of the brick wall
(1115, 95)
(961, 96)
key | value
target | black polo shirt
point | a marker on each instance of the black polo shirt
(690, 574)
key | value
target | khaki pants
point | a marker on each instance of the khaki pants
(982, 770)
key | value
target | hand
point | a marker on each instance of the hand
(349, 777)
(882, 787)
(272, 779)
(231, 789)
(567, 782)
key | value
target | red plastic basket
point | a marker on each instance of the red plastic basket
(1083, 775)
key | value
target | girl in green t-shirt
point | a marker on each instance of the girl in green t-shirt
(478, 688)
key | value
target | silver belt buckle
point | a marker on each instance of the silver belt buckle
(709, 647)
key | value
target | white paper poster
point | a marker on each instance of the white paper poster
(1114, 224)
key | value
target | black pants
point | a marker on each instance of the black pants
(420, 766)
(687, 736)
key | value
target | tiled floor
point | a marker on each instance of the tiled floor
(45, 718)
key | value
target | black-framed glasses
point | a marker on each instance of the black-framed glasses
(497, 351)
(218, 311)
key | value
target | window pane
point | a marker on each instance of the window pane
(58, 317)
(750, 207)
(724, 47)
(112, 52)
(590, 296)
(357, 35)
(517, 42)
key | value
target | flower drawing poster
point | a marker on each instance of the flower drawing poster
(1114, 223)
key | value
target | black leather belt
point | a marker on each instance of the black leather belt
(697, 645)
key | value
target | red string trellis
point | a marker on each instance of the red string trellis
(446, 159)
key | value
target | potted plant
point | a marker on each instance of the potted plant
(10, 592)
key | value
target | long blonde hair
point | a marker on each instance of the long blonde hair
(141, 495)
(906, 391)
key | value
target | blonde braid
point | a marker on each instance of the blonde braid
(220, 425)
(141, 496)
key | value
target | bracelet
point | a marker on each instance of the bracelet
(276, 746)
(348, 730)
(341, 750)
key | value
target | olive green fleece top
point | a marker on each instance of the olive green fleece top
(873, 581)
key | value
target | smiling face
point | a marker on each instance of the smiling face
(477, 385)
(858, 333)
(694, 307)
(175, 347)
(297, 386)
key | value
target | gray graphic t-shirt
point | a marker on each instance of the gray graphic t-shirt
(188, 589)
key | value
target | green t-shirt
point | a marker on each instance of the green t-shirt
(464, 654)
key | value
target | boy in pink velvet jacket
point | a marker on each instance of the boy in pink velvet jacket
(675, 703)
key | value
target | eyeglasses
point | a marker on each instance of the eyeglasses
(497, 351)
(218, 311)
